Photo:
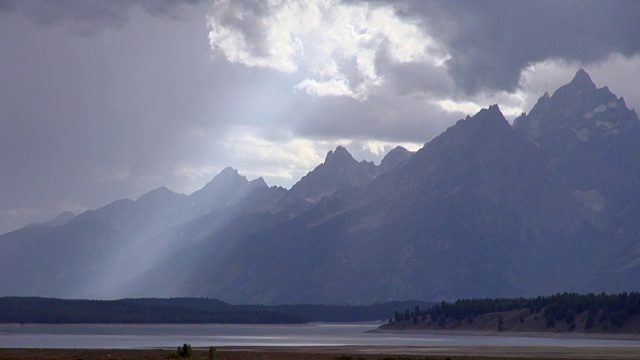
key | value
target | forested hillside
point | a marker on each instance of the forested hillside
(558, 313)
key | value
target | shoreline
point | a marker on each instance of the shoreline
(533, 334)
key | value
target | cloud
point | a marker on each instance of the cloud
(492, 42)
(456, 56)
(547, 76)
(381, 148)
(333, 45)
(346, 48)
(88, 17)
(619, 73)
(284, 161)
(331, 87)
(384, 116)
(280, 162)
(8, 5)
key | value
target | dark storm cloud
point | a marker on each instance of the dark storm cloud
(249, 24)
(492, 41)
(8, 5)
(385, 116)
(412, 77)
(91, 15)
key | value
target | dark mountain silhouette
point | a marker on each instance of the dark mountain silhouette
(485, 209)
(588, 134)
(340, 171)
(338, 175)
(476, 212)
(592, 140)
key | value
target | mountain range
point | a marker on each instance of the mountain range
(547, 204)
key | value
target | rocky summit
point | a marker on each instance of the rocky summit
(485, 209)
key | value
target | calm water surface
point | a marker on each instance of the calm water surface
(171, 335)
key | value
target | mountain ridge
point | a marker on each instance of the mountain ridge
(485, 209)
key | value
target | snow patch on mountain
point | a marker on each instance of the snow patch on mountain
(582, 134)
(592, 199)
(600, 109)
(609, 127)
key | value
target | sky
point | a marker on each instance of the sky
(109, 99)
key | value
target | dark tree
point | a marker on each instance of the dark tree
(591, 319)
(570, 317)
(185, 351)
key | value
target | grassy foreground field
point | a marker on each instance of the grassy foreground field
(337, 353)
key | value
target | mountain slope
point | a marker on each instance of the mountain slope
(486, 209)
(226, 188)
(54, 260)
(397, 156)
(98, 251)
(589, 135)
(340, 171)
(474, 213)
(63, 218)
(209, 241)
(592, 140)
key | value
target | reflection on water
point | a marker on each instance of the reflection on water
(153, 335)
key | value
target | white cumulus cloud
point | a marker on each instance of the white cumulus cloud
(333, 45)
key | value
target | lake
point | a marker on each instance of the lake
(203, 335)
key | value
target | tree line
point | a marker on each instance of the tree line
(46, 310)
(183, 310)
(607, 309)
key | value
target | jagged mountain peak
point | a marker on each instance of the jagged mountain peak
(228, 174)
(160, 197)
(588, 133)
(488, 119)
(469, 136)
(339, 171)
(582, 79)
(397, 150)
(225, 188)
(228, 171)
(580, 109)
(226, 177)
(162, 191)
(493, 110)
(257, 183)
(581, 86)
(340, 154)
(395, 157)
